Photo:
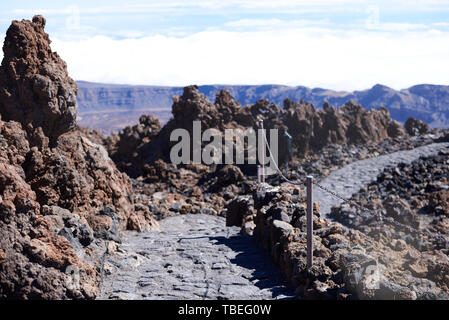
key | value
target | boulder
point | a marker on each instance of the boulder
(238, 210)
(416, 127)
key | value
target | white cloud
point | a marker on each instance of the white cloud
(273, 23)
(343, 60)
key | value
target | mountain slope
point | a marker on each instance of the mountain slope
(110, 107)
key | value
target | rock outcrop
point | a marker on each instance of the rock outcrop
(35, 88)
(350, 124)
(78, 175)
(128, 147)
(138, 150)
(36, 262)
(99, 103)
(63, 202)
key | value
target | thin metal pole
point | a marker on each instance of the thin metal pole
(258, 174)
(309, 221)
(262, 177)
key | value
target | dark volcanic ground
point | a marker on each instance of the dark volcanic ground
(194, 257)
(198, 257)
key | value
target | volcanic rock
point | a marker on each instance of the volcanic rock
(311, 130)
(34, 261)
(416, 127)
(412, 219)
(35, 87)
(347, 263)
(128, 147)
(78, 175)
(56, 185)
(439, 202)
(239, 211)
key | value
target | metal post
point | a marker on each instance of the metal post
(309, 221)
(262, 176)
(258, 174)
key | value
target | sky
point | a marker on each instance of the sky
(336, 44)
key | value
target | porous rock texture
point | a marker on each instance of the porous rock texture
(35, 88)
(78, 175)
(347, 263)
(311, 129)
(34, 259)
(62, 200)
(143, 151)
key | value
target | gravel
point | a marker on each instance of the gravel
(349, 179)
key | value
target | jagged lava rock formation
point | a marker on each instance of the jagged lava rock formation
(311, 128)
(61, 197)
(143, 150)
(35, 87)
(425, 102)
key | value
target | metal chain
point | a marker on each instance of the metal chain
(298, 183)
(348, 201)
(394, 223)
(314, 182)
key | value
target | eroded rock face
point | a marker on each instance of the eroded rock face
(311, 129)
(78, 175)
(35, 262)
(35, 88)
(63, 203)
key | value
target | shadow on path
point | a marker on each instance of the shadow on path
(250, 255)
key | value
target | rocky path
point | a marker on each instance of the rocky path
(194, 257)
(348, 180)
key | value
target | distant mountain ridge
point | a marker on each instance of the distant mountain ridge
(110, 107)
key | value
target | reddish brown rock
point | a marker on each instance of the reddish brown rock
(54, 180)
(34, 261)
(78, 175)
(2, 256)
(35, 88)
(142, 220)
(439, 202)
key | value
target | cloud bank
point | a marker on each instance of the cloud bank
(303, 55)
(337, 44)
